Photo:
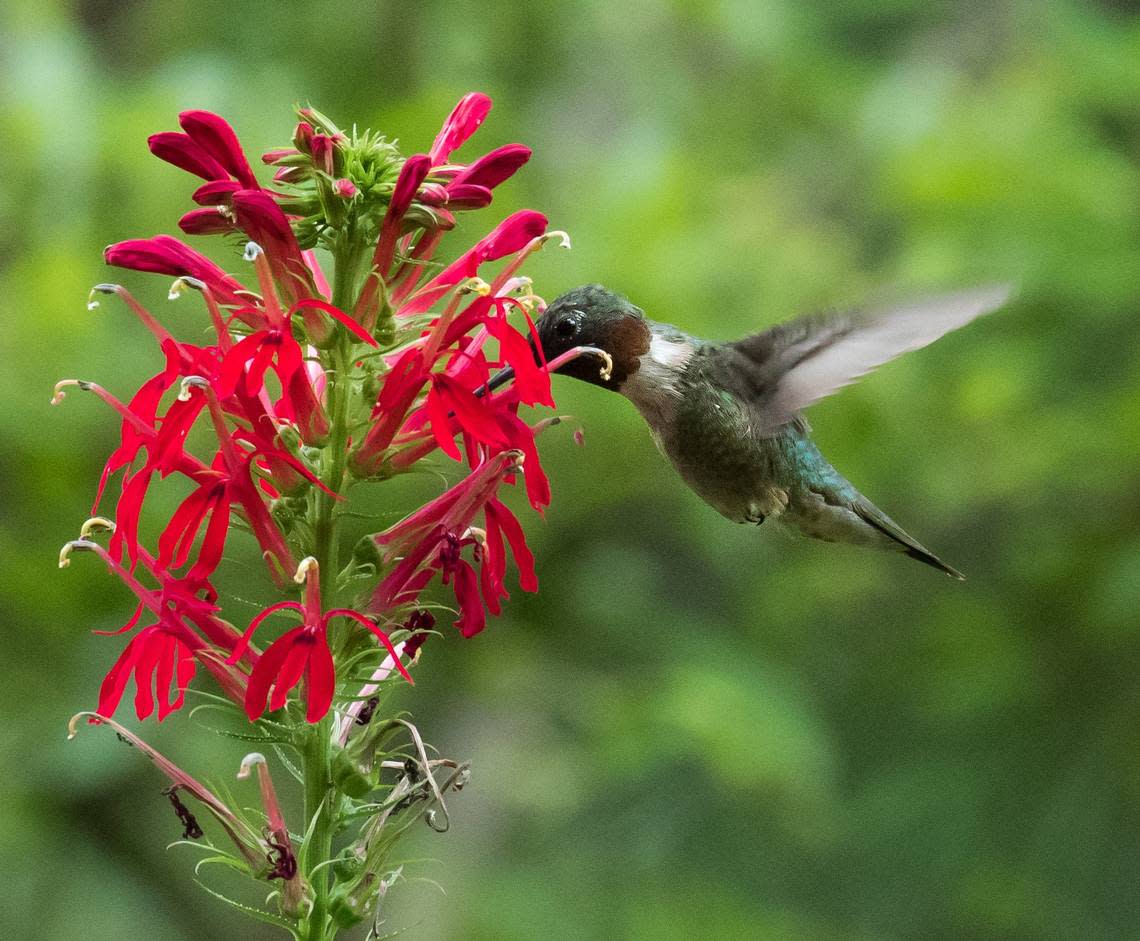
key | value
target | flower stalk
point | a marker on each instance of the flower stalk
(310, 386)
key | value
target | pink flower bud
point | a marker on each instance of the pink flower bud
(463, 121)
(209, 221)
(303, 136)
(345, 188)
(467, 196)
(183, 152)
(214, 135)
(323, 150)
(492, 169)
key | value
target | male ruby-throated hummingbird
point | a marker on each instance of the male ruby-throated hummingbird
(727, 415)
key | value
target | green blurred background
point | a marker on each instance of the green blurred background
(695, 729)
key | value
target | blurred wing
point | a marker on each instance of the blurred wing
(792, 365)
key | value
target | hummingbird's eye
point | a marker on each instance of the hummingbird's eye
(567, 327)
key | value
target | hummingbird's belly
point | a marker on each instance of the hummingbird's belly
(739, 476)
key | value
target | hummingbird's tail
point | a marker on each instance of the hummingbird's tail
(875, 517)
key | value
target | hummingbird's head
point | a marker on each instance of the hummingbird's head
(594, 316)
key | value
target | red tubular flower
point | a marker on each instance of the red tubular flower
(412, 174)
(302, 652)
(432, 540)
(512, 234)
(264, 222)
(323, 149)
(165, 255)
(463, 121)
(210, 221)
(164, 653)
(158, 656)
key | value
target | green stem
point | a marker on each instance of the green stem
(318, 848)
(320, 798)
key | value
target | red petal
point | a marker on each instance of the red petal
(441, 423)
(292, 669)
(463, 121)
(320, 680)
(215, 136)
(474, 415)
(115, 682)
(239, 650)
(493, 168)
(214, 542)
(215, 193)
(265, 672)
(524, 558)
(472, 618)
(380, 635)
(338, 315)
(184, 153)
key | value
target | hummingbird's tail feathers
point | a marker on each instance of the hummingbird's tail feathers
(875, 517)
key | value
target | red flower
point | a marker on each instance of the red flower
(165, 255)
(512, 234)
(432, 540)
(157, 656)
(302, 652)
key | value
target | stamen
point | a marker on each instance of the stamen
(96, 524)
(191, 382)
(58, 395)
(248, 762)
(76, 545)
(307, 564)
(479, 535)
(607, 361)
(104, 288)
(475, 285)
(531, 302)
(255, 253)
(141, 312)
(563, 238)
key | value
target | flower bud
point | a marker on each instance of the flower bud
(324, 151)
(303, 136)
(345, 188)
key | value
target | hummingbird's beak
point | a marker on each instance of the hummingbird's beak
(502, 377)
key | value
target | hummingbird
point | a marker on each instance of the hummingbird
(727, 415)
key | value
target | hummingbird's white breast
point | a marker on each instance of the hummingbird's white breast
(654, 388)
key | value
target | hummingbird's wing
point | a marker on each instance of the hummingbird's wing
(787, 368)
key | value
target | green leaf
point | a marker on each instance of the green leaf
(268, 917)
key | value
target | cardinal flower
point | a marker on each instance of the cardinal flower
(302, 652)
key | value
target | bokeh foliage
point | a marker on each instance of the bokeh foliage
(695, 729)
